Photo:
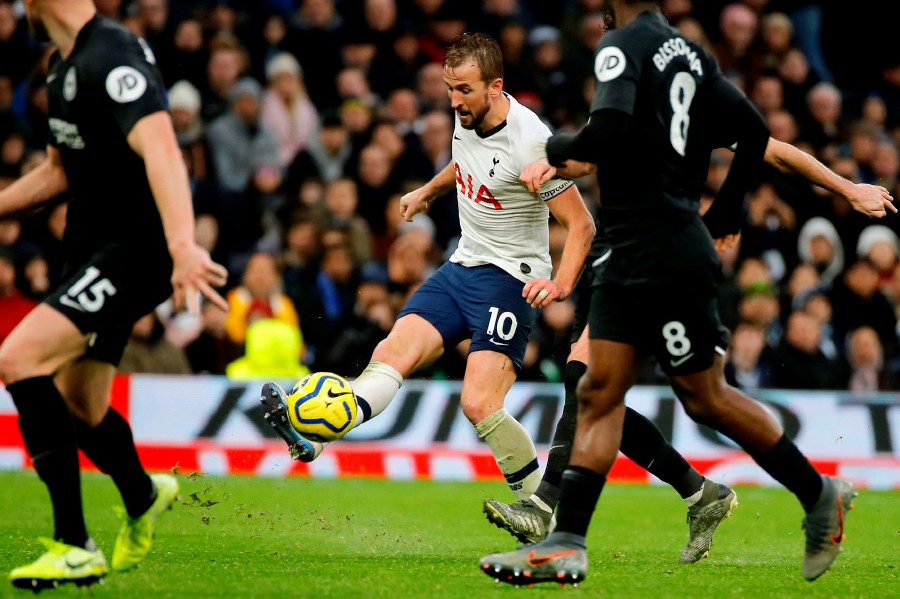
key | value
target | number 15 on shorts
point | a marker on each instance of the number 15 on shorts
(88, 294)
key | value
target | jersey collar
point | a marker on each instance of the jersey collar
(83, 34)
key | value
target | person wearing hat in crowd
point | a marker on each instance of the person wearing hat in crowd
(286, 108)
(246, 159)
(881, 246)
(184, 105)
(241, 145)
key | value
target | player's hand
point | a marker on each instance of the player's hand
(414, 202)
(540, 292)
(727, 243)
(193, 272)
(536, 174)
(871, 200)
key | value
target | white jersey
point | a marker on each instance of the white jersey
(502, 222)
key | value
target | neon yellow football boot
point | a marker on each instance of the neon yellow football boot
(136, 535)
(61, 564)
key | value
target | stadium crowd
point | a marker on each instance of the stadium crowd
(302, 123)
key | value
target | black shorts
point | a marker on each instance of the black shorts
(590, 277)
(662, 298)
(108, 293)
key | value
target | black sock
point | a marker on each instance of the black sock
(578, 496)
(49, 435)
(110, 445)
(645, 446)
(787, 465)
(561, 447)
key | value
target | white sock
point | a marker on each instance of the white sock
(374, 389)
(513, 450)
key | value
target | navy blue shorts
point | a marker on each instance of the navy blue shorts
(481, 303)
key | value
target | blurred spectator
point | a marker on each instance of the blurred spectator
(739, 25)
(881, 246)
(769, 230)
(315, 37)
(858, 302)
(866, 358)
(246, 158)
(227, 62)
(184, 104)
(259, 296)
(550, 79)
(189, 56)
(375, 185)
(274, 348)
(748, 363)
(242, 146)
(210, 351)
(820, 246)
(327, 306)
(286, 109)
(13, 305)
(398, 64)
(148, 350)
(431, 87)
(372, 320)
(341, 200)
(326, 157)
(798, 362)
(17, 53)
(825, 125)
(300, 254)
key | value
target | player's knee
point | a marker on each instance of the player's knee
(704, 404)
(12, 368)
(476, 409)
(596, 396)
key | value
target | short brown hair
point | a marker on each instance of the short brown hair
(481, 48)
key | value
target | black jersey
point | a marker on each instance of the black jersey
(107, 84)
(651, 72)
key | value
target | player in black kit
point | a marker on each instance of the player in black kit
(657, 291)
(129, 245)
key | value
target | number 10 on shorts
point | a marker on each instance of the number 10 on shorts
(505, 323)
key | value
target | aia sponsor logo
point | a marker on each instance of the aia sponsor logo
(467, 188)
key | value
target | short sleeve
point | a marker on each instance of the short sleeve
(130, 83)
(534, 148)
(617, 72)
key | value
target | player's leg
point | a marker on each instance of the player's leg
(417, 339)
(42, 343)
(708, 399)
(105, 438)
(562, 556)
(489, 377)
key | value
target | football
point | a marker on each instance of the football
(322, 407)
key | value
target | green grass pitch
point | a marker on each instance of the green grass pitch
(252, 537)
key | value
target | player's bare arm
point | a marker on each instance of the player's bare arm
(871, 200)
(418, 200)
(569, 210)
(153, 139)
(37, 187)
(540, 171)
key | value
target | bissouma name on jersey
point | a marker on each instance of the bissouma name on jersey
(673, 48)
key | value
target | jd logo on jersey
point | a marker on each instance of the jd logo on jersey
(125, 84)
(609, 64)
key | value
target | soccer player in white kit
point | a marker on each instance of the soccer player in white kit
(499, 275)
